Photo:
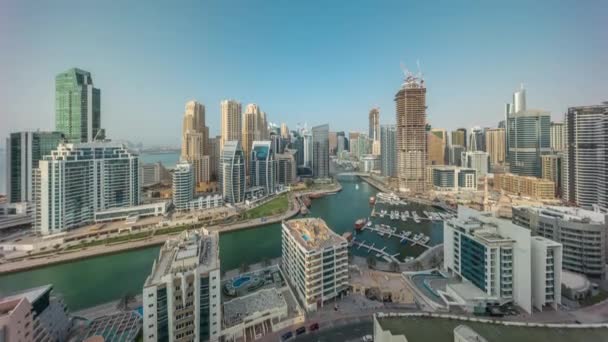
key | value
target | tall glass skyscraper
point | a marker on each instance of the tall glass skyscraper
(388, 150)
(263, 166)
(320, 151)
(528, 139)
(23, 152)
(232, 172)
(77, 106)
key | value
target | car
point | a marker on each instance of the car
(286, 336)
(313, 327)
(300, 331)
(367, 338)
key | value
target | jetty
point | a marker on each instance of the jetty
(393, 234)
(385, 255)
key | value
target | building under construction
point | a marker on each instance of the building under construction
(410, 103)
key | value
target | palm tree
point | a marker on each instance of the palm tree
(371, 261)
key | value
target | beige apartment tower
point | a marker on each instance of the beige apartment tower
(231, 122)
(195, 140)
(496, 145)
(254, 123)
(410, 102)
(437, 140)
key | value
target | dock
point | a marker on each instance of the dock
(392, 234)
(385, 255)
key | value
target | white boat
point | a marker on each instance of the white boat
(356, 186)
(425, 240)
(369, 224)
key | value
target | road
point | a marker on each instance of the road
(350, 330)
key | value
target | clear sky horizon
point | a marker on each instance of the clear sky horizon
(307, 61)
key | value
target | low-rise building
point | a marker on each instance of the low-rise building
(314, 260)
(453, 178)
(537, 188)
(583, 234)
(207, 202)
(143, 210)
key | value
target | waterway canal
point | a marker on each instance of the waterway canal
(93, 281)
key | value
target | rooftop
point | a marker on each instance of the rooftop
(191, 249)
(239, 309)
(31, 295)
(313, 233)
(572, 214)
(468, 334)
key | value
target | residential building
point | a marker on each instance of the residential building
(536, 188)
(388, 150)
(231, 122)
(341, 144)
(374, 124)
(77, 106)
(477, 140)
(314, 260)
(453, 178)
(183, 185)
(585, 171)
(477, 160)
(459, 137)
(76, 180)
(151, 174)
(455, 155)
(333, 143)
(284, 131)
(583, 234)
(143, 210)
(361, 146)
(496, 145)
(35, 314)
(214, 156)
(558, 140)
(206, 202)
(17, 214)
(232, 172)
(320, 151)
(552, 170)
(263, 166)
(286, 167)
(253, 129)
(369, 163)
(120, 326)
(182, 294)
(437, 146)
(23, 152)
(195, 141)
(410, 103)
(501, 262)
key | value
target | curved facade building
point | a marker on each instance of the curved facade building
(232, 172)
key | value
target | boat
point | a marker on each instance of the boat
(372, 200)
(369, 224)
(356, 186)
(360, 223)
(425, 240)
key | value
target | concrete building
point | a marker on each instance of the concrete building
(214, 157)
(374, 124)
(286, 167)
(23, 152)
(183, 185)
(497, 260)
(284, 131)
(142, 210)
(320, 151)
(333, 143)
(552, 170)
(16, 215)
(34, 315)
(253, 129)
(410, 103)
(206, 202)
(182, 294)
(314, 260)
(437, 142)
(77, 106)
(388, 148)
(151, 174)
(263, 166)
(536, 188)
(195, 141)
(459, 137)
(477, 139)
(455, 155)
(369, 163)
(77, 180)
(585, 171)
(477, 160)
(453, 178)
(232, 172)
(231, 122)
(583, 234)
(496, 145)
(557, 134)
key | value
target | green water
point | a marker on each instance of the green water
(93, 281)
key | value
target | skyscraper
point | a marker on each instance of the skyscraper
(263, 166)
(195, 141)
(231, 122)
(557, 136)
(388, 148)
(477, 160)
(23, 152)
(253, 129)
(410, 103)
(459, 137)
(286, 167)
(320, 151)
(455, 155)
(495, 145)
(77, 106)
(183, 185)
(528, 137)
(477, 139)
(552, 170)
(437, 145)
(333, 143)
(374, 124)
(232, 172)
(585, 162)
(284, 131)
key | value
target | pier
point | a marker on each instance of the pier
(385, 255)
(392, 234)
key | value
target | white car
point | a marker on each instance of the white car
(367, 338)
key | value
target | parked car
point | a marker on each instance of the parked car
(286, 336)
(313, 327)
(300, 331)
(367, 338)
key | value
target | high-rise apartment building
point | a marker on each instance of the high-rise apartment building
(232, 172)
(477, 139)
(263, 166)
(77, 180)
(195, 141)
(214, 156)
(284, 131)
(314, 260)
(231, 122)
(152, 174)
(552, 170)
(23, 152)
(333, 143)
(477, 160)
(437, 145)
(320, 151)
(374, 124)
(585, 171)
(77, 106)
(254, 128)
(286, 167)
(182, 294)
(558, 139)
(410, 103)
(496, 145)
(455, 155)
(183, 185)
(388, 150)
(459, 137)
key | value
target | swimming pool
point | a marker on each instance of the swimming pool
(305, 237)
(238, 282)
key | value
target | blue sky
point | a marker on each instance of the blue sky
(299, 60)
